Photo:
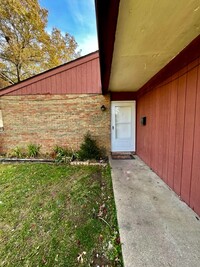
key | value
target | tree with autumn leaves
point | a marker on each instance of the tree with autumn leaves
(26, 48)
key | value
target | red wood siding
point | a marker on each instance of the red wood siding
(81, 76)
(170, 141)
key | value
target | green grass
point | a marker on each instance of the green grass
(50, 215)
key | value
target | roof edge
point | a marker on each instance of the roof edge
(106, 17)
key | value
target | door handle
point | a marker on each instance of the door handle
(113, 127)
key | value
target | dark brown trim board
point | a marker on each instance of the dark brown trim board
(106, 15)
(123, 96)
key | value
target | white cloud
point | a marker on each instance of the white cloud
(88, 44)
(74, 8)
(82, 13)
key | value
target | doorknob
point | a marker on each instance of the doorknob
(113, 127)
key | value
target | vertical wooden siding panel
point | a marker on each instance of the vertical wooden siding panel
(149, 124)
(143, 130)
(23, 91)
(53, 84)
(141, 147)
(67, 82)
(49, 82)
(32, 89)
(84, 78)
(165, 139)
(40, 88)
(148, 128)
(79, 80)
(71, 82)
(157, 101)
(43, 87)
(188, 134)
(160, 132)
(88, 75)
(64, 77)
(74, 81)
(172, 132)
(49, 85)
(94, 76)
(60, 83)
(35, 88)
(153, 129)
(179, 133)
(195, 178)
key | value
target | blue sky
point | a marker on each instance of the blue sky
(76, 17)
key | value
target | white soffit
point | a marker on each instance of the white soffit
(149, 34)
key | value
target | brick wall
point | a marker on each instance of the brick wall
(51, 120)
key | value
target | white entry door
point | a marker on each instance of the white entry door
(123, 126)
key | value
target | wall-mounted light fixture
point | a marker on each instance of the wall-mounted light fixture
(103, 108)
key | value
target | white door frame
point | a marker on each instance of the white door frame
(129, 145)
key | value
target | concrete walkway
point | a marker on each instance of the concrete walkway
(156, 228)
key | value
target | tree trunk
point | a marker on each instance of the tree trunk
(18, 67)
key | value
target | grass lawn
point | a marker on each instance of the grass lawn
(57, 215)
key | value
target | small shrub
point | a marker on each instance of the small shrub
(33, 150)
(18, 152)
(62, 151)
(62, 155)
(89, 149)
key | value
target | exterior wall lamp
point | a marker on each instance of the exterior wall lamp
(103, 108)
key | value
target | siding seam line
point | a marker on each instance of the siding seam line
(186, 89)
(193, 134)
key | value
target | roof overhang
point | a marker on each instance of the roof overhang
(106, 16)
(138, 40)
